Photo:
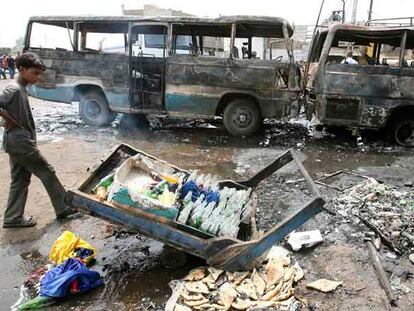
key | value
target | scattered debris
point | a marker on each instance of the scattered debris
(268, 286)
(306, 239)
(382, 276)
(377, 243)
(383, 208)
(324, 285)
(294, 181)
(391, 255)
(196, 274)
(288, 133)
(408, 183)
(411, 257)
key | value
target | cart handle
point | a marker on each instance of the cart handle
(282, 160)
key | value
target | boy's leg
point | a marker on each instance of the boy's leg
(19, 186)
(38, 166)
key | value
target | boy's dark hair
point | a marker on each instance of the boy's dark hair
(29, 60)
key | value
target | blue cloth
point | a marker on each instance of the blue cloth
(196, 191)
(57, 282)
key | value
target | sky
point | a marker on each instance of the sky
(299, 12)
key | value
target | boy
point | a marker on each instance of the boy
(19, 142)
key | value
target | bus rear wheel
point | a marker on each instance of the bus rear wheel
(242, 117)
(94, 109)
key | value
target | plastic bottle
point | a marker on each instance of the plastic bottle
(193, 175)
(208, 210)
(206, 216)
(195, 218)
(188, 198)
(185, 213)
(207, 182)
(160, 187)
(107, 181)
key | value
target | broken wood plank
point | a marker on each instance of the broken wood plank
(381, 274)
(384, 239)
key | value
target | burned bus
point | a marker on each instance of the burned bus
(168, 66)
(375, 91)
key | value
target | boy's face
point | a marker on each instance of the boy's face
(31, 75)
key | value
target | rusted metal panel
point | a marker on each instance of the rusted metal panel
(361, 96)
(67, 69)
(205, 80)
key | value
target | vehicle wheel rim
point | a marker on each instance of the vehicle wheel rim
(242, 117)
(404, 134)
(93, 109)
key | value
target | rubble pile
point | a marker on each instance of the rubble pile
(386, 209)
(271, 286)
(286, 133)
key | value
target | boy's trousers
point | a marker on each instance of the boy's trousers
(22, 167)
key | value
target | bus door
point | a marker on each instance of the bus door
(147, 54)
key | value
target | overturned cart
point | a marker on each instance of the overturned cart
(189, 213)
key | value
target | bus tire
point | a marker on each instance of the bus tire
(401, 131)
(94, 109)
(242, 117)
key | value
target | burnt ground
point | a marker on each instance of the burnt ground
(135, 278)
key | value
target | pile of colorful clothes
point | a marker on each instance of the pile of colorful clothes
(67, 275)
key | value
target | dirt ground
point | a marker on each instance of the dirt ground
(135, 279)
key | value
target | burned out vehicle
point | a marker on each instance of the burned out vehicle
(376, 91)
(168, 66)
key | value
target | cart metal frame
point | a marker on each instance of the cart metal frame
(222, 252)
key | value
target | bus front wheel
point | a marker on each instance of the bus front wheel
(242, 117)
(94, 109)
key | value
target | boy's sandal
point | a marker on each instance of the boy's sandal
(23, 223)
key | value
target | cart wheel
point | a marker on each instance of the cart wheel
(173, 258)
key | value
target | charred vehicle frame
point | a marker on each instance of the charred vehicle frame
(243, 91)
(363, 96)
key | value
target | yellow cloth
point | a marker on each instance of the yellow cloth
(65, 246)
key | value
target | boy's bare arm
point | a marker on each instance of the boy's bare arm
(8, 121)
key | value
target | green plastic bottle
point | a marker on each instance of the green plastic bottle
(37, 303)
(107, 181)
